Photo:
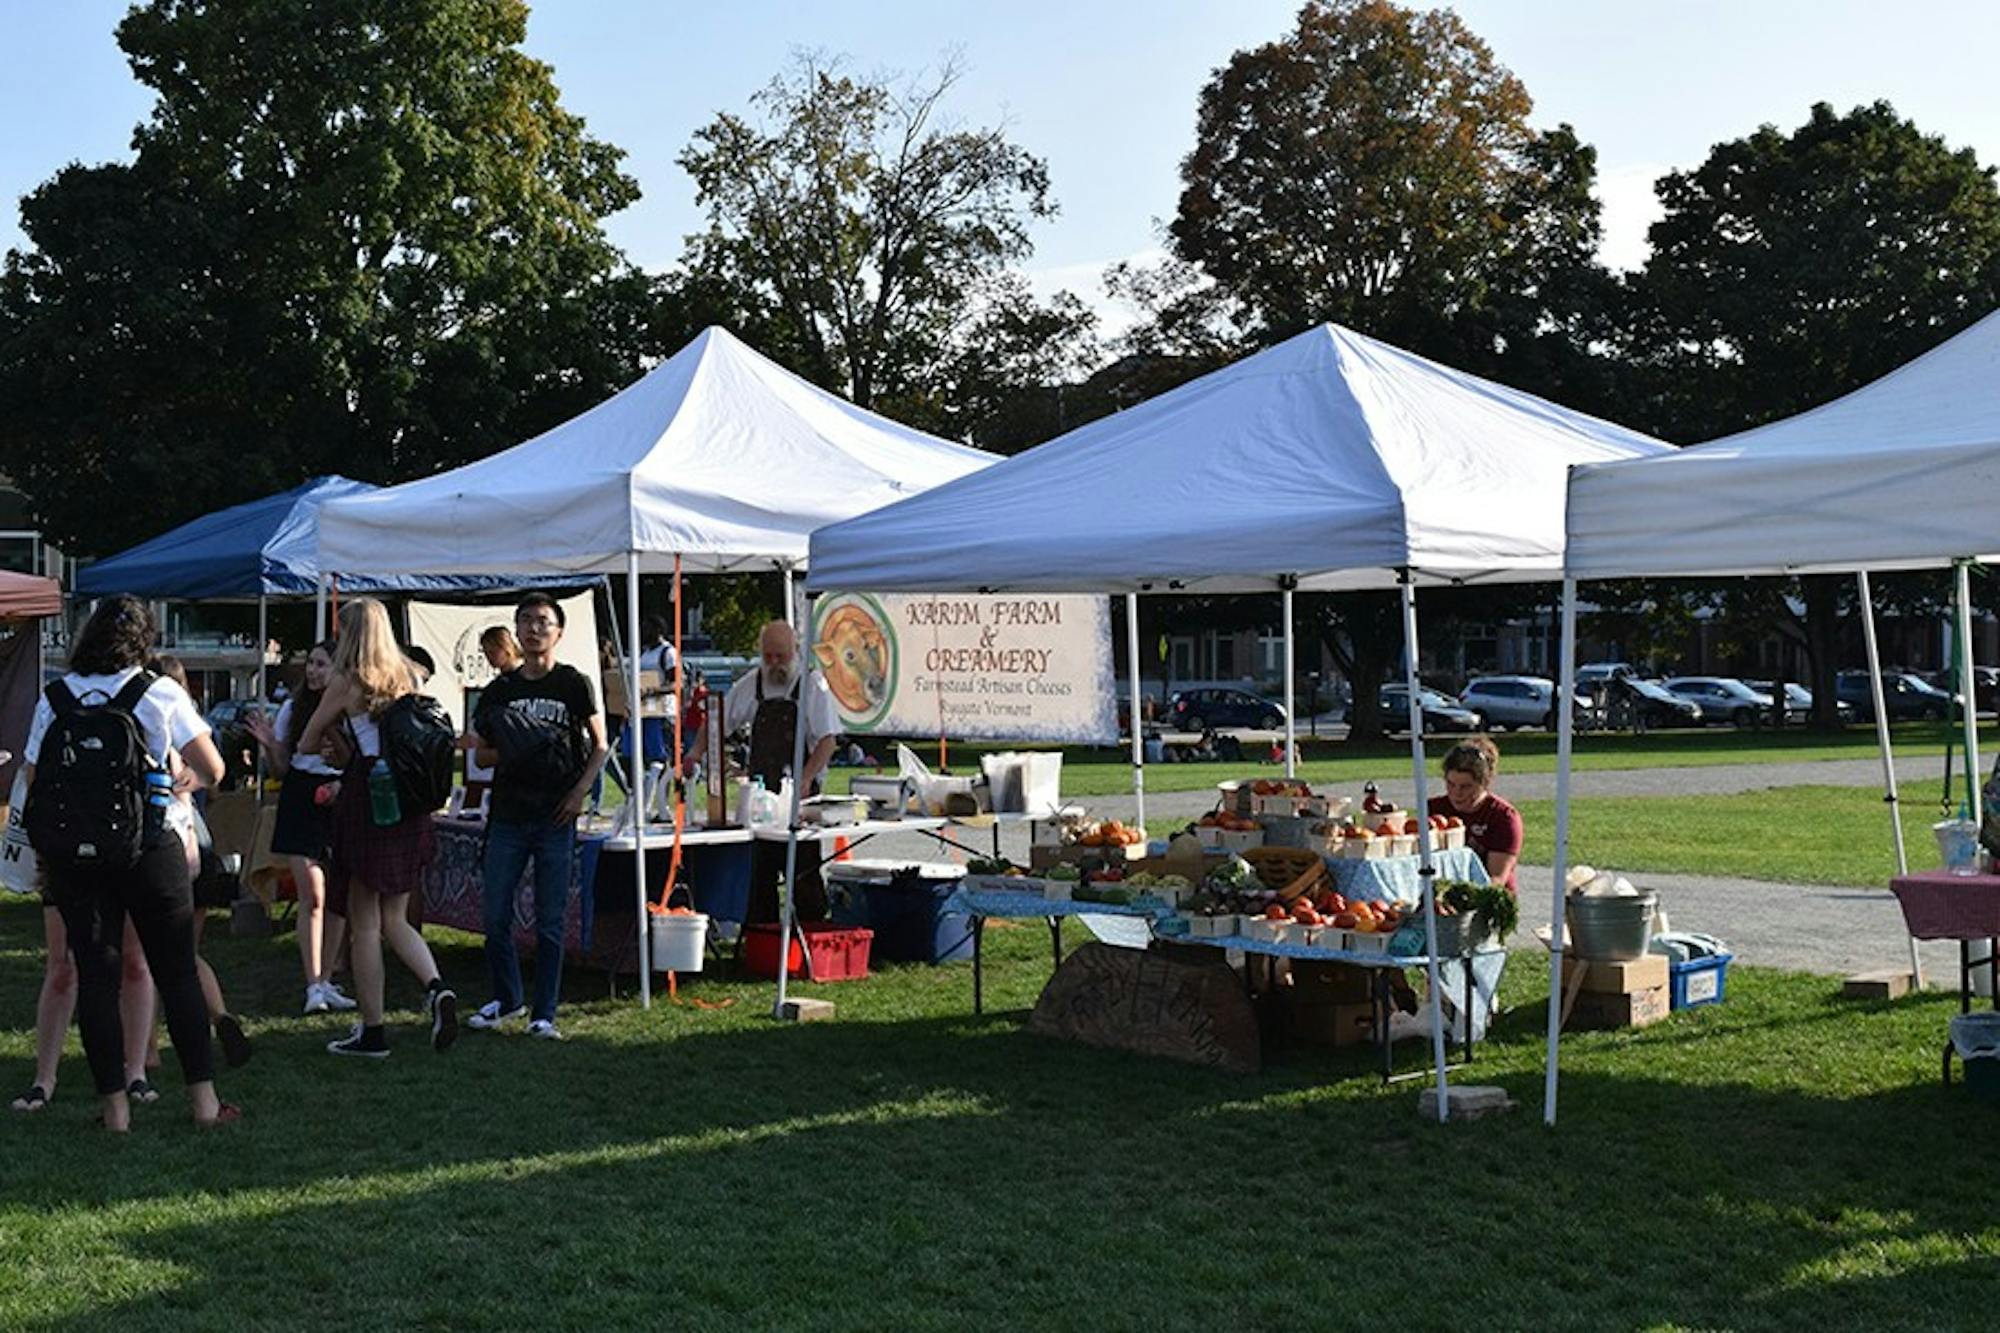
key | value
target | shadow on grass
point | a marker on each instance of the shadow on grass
(1752, 1166)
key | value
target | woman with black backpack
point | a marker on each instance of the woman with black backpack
(105, 822)
(379, 849)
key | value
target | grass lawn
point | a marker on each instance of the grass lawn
(1784, 1161)
(1811, 835)
(1107, 771)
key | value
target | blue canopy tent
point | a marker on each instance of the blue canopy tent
(252, 552)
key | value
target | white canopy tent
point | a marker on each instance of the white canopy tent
(1899, 474)
(716, 460)
(1330, 461)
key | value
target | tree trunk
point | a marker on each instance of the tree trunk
(1822, 598)
(1373, 635)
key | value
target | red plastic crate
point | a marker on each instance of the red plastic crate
(839, 953)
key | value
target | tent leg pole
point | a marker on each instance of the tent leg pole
(635, 795)
(1968, 692)
(1889, 796)
(791, 608)
(1565, 706)
(1427, 869)
(1136, 728)
(788, 904)
(319, 609)
(1291, 688)
(263, 682)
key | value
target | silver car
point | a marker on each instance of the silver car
(1723, 699)
(1512, 701)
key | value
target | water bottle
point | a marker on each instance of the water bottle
(383, 806)
(159, 799)
(760, 802)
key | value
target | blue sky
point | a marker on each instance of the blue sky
(1106, 91)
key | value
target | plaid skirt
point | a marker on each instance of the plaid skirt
(388, 860)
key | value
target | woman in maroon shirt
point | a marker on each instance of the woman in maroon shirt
(1492, 827)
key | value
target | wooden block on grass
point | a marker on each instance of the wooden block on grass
(1466, 1102)
(807, 1011)
(1888, 984)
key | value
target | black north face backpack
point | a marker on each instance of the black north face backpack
(88, 805)
(421, 746)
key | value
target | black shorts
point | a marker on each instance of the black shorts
(303, 828)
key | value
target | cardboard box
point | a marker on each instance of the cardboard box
(1616, 978)
(1316, 981)
(1633, 1009)
(1335, 1025)
(1041, 858)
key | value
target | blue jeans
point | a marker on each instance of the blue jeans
(509, 848)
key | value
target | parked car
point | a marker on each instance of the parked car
(1513, 701)
(1200, 710)
(1985, 686)
(1594, 673)
(1635, 704)
(1799, 700)
(1905, 696)
(1441, 711)
(1723, 699)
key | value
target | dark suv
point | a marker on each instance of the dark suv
(1904, 697)
(1200, 710)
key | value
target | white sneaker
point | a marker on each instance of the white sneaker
(335, 997)
(316, 1001)
(489, 1017)
(545, 1029)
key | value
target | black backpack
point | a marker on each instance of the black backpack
(87, 807)
(539, 761)
(421, 746)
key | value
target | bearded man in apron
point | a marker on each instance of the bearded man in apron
(773, 702)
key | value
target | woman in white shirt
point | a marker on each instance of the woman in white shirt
(155, 894)
(304, 829)
(375, 866)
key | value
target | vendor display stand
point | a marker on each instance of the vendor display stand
(1938, 905)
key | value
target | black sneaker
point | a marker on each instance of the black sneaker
(357, 1043)
(236, 1049)
(444, 1018)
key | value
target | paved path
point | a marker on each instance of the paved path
(1805, 927)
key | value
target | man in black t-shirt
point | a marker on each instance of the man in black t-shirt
(539, 730)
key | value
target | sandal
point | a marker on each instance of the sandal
(142, 1092)
(228, 1113)
(34, 1099)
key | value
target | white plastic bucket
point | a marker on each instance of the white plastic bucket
(680, 943)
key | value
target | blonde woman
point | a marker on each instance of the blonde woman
(501, 648)
(374, 867)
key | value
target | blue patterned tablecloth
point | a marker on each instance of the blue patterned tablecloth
(1000, 903)
(1395, 878)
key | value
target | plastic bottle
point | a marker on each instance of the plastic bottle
(384, 808)
(760, 802)
(159, 799)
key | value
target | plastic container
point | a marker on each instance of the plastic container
(1611, 928)
(1976, 1038)
(903, 909)
(1958, 845)
(1698, 981)
(839, 953)
(385, 808)
(680, 943)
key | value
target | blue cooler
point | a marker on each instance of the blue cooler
(902, 902)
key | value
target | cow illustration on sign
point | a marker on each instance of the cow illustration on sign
(856, 652)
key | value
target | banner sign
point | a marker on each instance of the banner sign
(450, 633)
(985, 667)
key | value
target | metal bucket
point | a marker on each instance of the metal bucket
(1611, 929)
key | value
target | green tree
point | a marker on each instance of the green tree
(1376, 167)
(863, 234)
(1789, 269)
(355, 235)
